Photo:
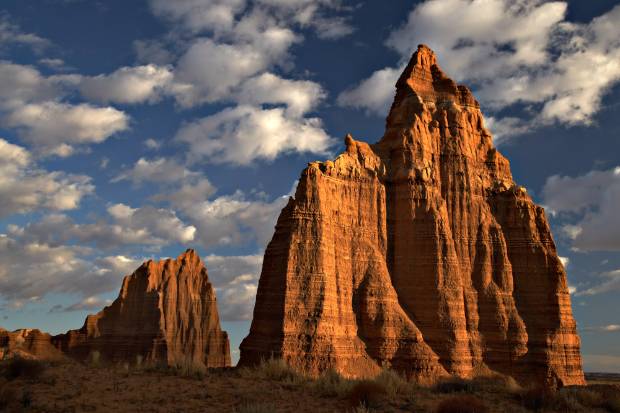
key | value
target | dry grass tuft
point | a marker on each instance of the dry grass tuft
(331, 384)
(186, 368)
(367, 393)
(612, 404)
(610, 395)
(493, 383)
(273, 369)
(94, 358)
(393, 383)
(463, 403)
(8, 396)
(251, 407)
(537, 398)
(511, 386)
(26, 399)
(574, 398)
(454, 385)
(361, 409)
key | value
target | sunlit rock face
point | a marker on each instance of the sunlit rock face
(27, 343)
(418, 253)
(166, 312)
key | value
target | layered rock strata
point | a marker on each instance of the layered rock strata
(166, 312)
(419, 253)
(27, 343)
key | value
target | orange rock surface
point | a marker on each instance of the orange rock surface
(27, 343)
(419, 253)
(166, 312)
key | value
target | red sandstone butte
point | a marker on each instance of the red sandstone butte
(418, 253)
(166, 312)
(27, 343)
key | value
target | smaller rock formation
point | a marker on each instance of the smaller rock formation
(27, 343)
(166, 312)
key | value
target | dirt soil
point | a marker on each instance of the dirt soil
(72, 387)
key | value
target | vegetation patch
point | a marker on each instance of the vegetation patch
(331, 384)
(367, 393)
(455, 385)
(464, 403)
(273, 369)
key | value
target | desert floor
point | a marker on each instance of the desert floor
(69, 386)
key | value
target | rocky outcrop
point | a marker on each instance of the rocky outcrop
(419, 253)
(166, 312)
(27, 343)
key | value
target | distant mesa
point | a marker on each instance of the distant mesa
(27, 343)
(418, 253)
(166, 313)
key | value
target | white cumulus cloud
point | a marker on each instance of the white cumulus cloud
(606, 282)
(127, 85)
(235, 279)
(374, 93)
(510, 52)
(592, 200)
(33, 270)
(24, 187)
(245, 133)
(299, 96)
(123, 226)
(161, 170)
(10, 33)
(53, 128)
(199, 15)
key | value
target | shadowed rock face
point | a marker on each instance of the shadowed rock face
(418, 252)
(166, 312)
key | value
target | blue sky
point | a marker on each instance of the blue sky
(134, 130)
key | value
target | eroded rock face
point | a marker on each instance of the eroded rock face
(166, 312)
(418, 252)
(27, 343)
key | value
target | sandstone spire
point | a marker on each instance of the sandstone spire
(166, 312)
(418, 252)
